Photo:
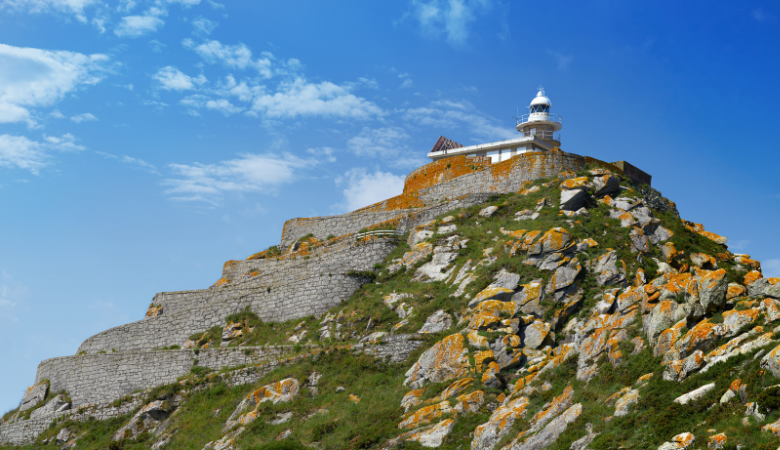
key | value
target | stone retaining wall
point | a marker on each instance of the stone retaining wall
(309, 287)
(105, 377)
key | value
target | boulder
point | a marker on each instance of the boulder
(661, 318)
(552, 431)
(694, 394)
(487, 435)
(606, 184)
(470, 403)
(573, 199)
(606, 269)
(583, 442)
(34, 396)
(438, 321)
(63, 436)
(411, 399)
(624, 402)
(425, 415)
(771, 361)
(534, 335)
(680, 442)
(712, 287)
(489, 211)
(554, 240)
(639, 242)
(678, 369)
(55, 405)
(564, 276)
(445, 361)
(717, 441)
(281, 391)
(147, 419)
(434, 436)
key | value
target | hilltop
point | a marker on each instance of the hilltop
(548, 301)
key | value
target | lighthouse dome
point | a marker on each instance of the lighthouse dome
(541, 99)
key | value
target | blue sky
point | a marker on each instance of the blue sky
(143, 143)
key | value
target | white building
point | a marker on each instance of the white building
(539, 131)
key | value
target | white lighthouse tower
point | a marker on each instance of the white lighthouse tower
(540, 123)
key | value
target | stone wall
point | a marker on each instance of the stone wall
(24, 432)
(105, 377)
(304, 288)
(322, 227)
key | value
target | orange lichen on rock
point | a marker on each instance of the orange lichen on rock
(752, 276)
(425, 415)
(735, 290)
(482, 358)
(575, 183)
(443, 170)
(154, 310)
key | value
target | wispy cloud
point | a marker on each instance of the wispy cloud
(237, 56)
(137, 26)
(203, 26)
(563, 60)
(386, 141)
(33, 78)
(363, 188)
(762, 16)
(11, 293)
(197, 101)
(19, 152)
(451, 19)
(250, 172)
(133, 162)
(156, 46)
(86, 117)
(76, 8)
(302, 98)
(172, 79)
(448, 116)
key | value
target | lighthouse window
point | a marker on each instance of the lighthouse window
(540, 109)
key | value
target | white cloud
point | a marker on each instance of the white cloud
(447, 116)
(363, 189)
(86, 117)
(771, 268)
(135, 26)
(31, 77)
(762, 16)
(449, 18)
(301, 98)
(156, 45)
(75, 7)
(562, 60)
(407, 82)
(325, 153)
(248, 173)
(11, 293)
(19, 152)
(185, 3)
(237, 56)
(222, 105)
(135, 162)
(57, 114)
(172, 79)
(203, 26)
(378, 142)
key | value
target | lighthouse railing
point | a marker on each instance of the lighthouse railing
(538, 117)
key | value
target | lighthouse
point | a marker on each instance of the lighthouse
(540, 123)
(539, 132)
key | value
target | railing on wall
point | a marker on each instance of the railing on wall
(543, 134)
(549, 117)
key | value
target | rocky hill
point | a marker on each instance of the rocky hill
(547, 303)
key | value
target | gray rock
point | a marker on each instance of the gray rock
(438, 321)
(625, 203)
(489, 211)
(506, 280)
(444, 229)
(535, 334)
(771, 361)
(606, 269)
(639, 242)
(63, 436)
(564, 276)
(34, 396)
(420, 236)
(763, 288)
(572, 200)
(583, 442)
(54, 405)
(281, 418)
(551, 432)
(694, 394)
(149, 418)
(606, 184)
(341, 389)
